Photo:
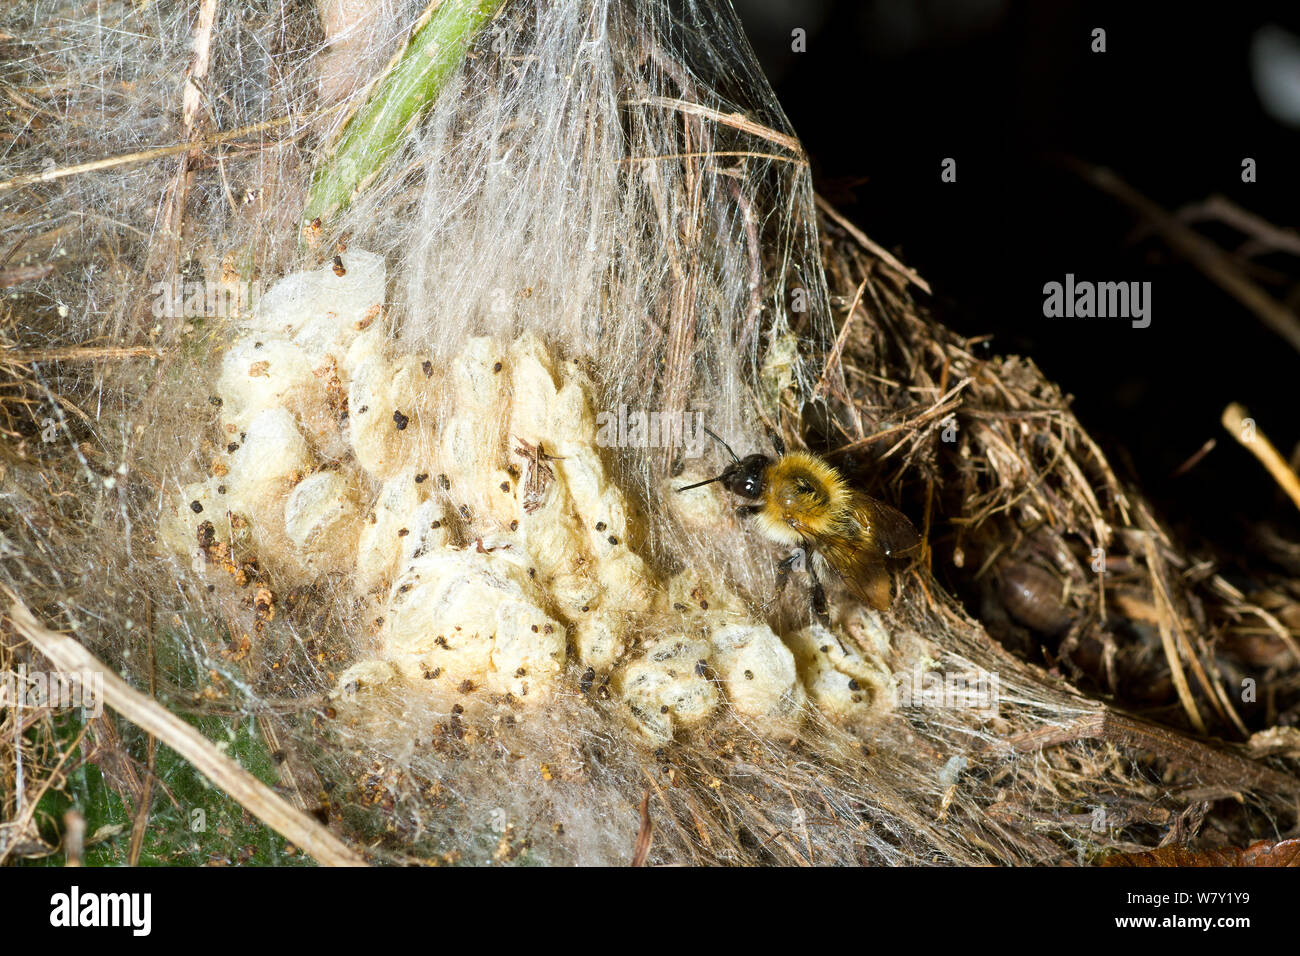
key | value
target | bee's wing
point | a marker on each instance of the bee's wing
(886, 528)
(859, 558)
(862, 568)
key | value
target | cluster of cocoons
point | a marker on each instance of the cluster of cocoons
(468, 509)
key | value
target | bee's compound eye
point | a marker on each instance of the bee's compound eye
(751, 487)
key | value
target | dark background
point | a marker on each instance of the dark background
(888, 88)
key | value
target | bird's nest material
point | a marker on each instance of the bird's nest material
(1058, 776)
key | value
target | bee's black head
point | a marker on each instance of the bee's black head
(744, 477)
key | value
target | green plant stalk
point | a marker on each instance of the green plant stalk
(374, 133)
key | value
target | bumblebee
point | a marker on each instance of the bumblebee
(805, 503)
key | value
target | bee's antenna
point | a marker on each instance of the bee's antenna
(709, 432)
(700, 484)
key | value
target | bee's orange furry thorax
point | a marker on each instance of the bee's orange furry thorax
(803, 498)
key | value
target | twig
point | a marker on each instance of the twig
(735, 120)
(945, 404)
(1195, 459)
(74, 840)
(1259, 445)
(21, 274)
(49, 175)
(1273, 625)
(1264, 234)
(1234, 420)
(730, 153)
(77, 353)
(645, 835)
(833, 358)
(69, 656)
(26, 815)
(1216, 766)
(193, 95)
(1198, 250)
(173, 216)
(1166, 630)
(880, 252)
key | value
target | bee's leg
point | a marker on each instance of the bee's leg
(819, 605)
(818, 597)
(783, 572)
(748, 511)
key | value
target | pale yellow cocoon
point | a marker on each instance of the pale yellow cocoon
(471, 509)
(258, 373)
(845, 684)
(668, 687)
(759, 675)
(468, 616)
(320, 519)
(381, 542)
(321, 311)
